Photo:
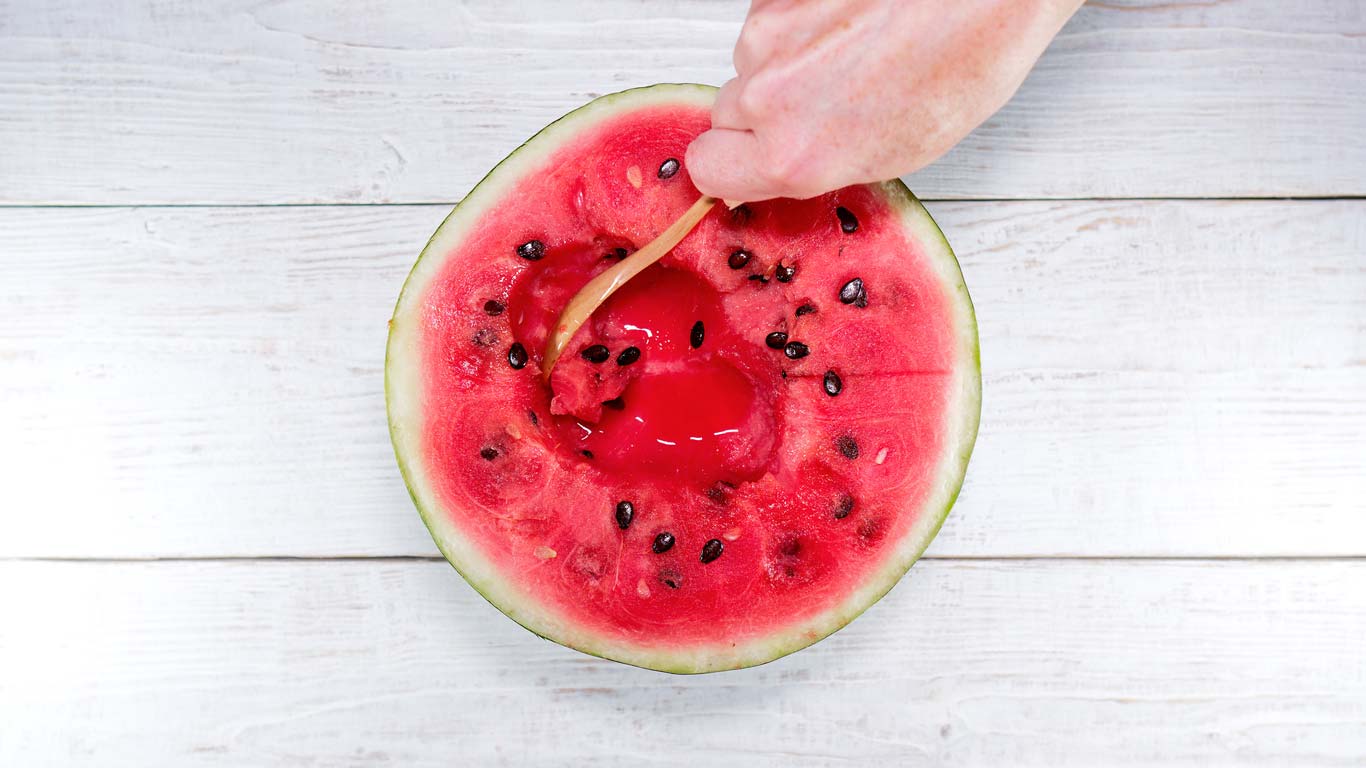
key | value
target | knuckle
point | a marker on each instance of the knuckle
(792, 166)
(755, 35)
(761, 97)
(780, 164)
(747, 55)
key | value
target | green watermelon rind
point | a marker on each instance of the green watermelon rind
(404, 395)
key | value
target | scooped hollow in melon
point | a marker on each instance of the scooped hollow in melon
(744, 448)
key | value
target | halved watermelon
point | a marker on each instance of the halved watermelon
(744, 449)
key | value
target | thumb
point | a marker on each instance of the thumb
(729, 165)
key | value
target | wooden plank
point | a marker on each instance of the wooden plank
(164, 101)
(966, 663)
(1178, 378)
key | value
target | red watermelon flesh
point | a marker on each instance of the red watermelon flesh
(715, 501)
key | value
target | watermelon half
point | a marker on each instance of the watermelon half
(745, 447)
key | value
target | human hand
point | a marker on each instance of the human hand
(843, 92)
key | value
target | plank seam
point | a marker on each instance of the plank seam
(928, 200)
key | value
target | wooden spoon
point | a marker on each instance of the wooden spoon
(592, 295)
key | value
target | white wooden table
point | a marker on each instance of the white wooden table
(207, 557)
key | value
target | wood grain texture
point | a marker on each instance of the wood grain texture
(170, 101)
(1048, 663)
(1161, 379)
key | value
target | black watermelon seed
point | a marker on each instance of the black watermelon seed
(663, 543)
(492, 307)
(626, 512)
(833, 385)
(628, 356)
(805, 309)
(795, 350)
(712, 550)
(848, 446)
(517, 355)
(488, 454)
(617, 253)
(844, 506)
(853, 292)
(531, 250)
(696, 335)
(775, 340)
(587, 454)
(671, 578)
(615, 404)
(762, 280)
(535, 420)
(848, 221)
(738, 259)
(596, 353)
(669, 168)
(720, 492)
(784, 274)
(485, 337)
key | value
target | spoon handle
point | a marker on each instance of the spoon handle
(592, 295)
